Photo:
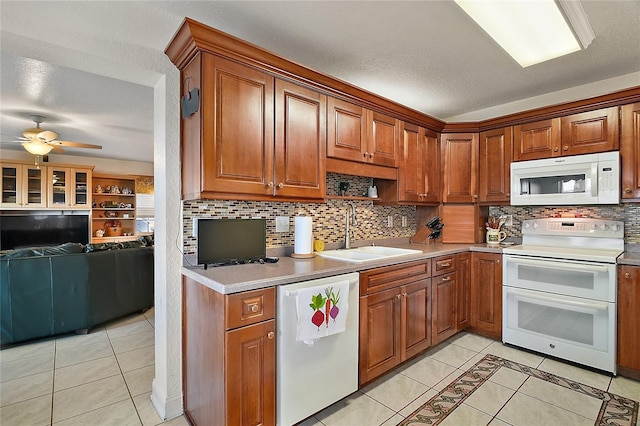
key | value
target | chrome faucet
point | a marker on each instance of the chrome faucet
(351, 210)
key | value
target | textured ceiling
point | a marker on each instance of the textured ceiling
(427, 55)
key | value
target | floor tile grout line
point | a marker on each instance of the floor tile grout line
(125, 381)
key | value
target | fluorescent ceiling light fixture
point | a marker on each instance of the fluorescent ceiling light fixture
(532, 31)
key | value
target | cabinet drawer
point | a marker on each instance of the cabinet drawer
(379, 279)
(441, 279)
(250, 307)
(443, 264)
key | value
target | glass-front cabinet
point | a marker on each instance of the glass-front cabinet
(68, 188)
(23, 186)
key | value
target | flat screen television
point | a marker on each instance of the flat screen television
(222, 241)
(39, 230)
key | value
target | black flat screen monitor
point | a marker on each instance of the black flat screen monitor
(231, 240)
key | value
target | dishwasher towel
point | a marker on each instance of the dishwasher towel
(322, 311)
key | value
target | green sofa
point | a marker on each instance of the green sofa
(50, 291)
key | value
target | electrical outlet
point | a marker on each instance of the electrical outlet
(389, 221)
(282, 223)
(404, 221)
(508, 220)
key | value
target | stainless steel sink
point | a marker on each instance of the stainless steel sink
(366, 253)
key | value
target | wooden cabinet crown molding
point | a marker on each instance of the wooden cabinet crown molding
(193, 37)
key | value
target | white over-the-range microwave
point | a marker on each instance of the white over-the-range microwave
(575, 180)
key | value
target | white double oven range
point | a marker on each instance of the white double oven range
(560, 289)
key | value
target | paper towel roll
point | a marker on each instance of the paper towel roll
(303, 235)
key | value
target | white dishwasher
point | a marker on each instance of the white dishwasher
(313, 376)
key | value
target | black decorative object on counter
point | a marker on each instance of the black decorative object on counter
(436, 226)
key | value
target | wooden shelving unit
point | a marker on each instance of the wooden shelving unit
(114, 199)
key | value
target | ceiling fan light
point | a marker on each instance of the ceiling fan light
(37, 148)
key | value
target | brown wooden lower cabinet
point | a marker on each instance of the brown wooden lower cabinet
(229, 356)
(486, 294)
(628, 321)
(463, 291)
(443, 301)
(395, 324)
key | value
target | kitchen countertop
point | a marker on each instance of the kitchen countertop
(237, 278)
(629, 258)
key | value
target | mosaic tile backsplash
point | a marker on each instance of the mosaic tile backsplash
(628, 213)
(329, 217)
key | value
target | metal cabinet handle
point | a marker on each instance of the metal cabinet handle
(445, 279)
(627, 190)
(254, 307)
(281, 185)
(556, 149)
(398, 296)
(371, 155)
(445, 265)
(270, 184)
(270, 335)
(566, 148)
(366, 154)
(627, 275)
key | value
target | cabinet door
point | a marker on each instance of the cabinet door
(237, 111)
(589, 132)
(300, 142)
(383, 143)
(443, 293)
(59, 184)
(81, 188)
(250, 374)
(379, 333)
(460, 181)
(416, 318)
(463, 290)
(411, 172)
(12, 185)
(430, 145)
(486, 294)
(495, 161)
(347, 130)
(630, 151)
(628, 318)
(536, 140)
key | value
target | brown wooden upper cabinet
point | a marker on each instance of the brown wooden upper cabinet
(536, 140)
(419, 168)
(358, 134)
(255, 137)
(495, 160)
(583, 133)
(589, 132)
(460, 167)
(630, 151)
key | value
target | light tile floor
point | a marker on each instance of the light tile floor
(101, 378)
(509, 398)
(104, 378)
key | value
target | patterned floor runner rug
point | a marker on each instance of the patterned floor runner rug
(615, 409)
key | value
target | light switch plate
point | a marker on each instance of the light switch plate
(282, 223)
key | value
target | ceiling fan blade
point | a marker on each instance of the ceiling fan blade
(48, 135)
(74, 144)
(23, 139)
(57, 150)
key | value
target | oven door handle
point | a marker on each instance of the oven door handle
(550, 264)
(540, 297)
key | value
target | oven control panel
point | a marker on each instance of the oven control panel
(575, 226)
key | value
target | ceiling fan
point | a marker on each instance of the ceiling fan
(38, 141)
